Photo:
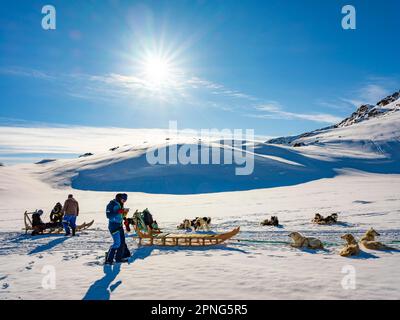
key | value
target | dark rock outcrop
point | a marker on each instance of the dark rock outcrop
(87, 154)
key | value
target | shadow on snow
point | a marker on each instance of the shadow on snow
(137, 175)
(102, 288)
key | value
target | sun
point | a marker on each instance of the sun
(157, 70)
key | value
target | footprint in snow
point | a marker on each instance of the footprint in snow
(30, 265)
(5, 286)
(94, 263)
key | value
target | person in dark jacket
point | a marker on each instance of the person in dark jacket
(56, 215)
(39, 226)
(115, 214)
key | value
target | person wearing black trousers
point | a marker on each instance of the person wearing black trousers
(115, 213)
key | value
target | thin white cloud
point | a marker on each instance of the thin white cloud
(114, 87)
(339, 105)
(26, 72)
(273, 110)
(371, 92)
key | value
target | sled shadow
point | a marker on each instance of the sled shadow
(145, 251)
(48, 246)
(22, 237)
(102, 288)
(203, 232)
(199, 248)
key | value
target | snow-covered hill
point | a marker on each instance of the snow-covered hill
(366, 141)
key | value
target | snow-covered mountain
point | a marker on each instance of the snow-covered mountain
(385, 107)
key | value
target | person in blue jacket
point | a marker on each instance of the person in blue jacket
(115, 215)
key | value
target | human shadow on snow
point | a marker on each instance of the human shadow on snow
(23, 237)
(102, 288)
(48, 246)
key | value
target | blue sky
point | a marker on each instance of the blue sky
(279, 67)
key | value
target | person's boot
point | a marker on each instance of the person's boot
(110, 256)
(73, 231)
(123, 260)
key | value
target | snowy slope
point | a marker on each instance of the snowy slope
(371, 146)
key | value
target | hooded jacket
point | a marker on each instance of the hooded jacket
(114, 213)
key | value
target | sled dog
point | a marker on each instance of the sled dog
(351, 248)
(303, 242)
(368, 241)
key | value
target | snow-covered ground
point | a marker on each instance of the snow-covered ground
(237, 270)
(353, 171)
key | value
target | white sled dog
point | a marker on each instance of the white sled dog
(303, 242)
(196, 224)
(202, 223)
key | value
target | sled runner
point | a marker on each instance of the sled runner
(56, 230)
(170, 239)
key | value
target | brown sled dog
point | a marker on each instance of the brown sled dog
(368, 241)
(303, 242)
(351, 248)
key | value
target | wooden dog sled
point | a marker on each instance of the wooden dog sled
(28, 225)
(196, 240)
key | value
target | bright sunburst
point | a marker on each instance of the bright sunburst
(157, 70)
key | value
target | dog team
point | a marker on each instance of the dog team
(351, 247)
